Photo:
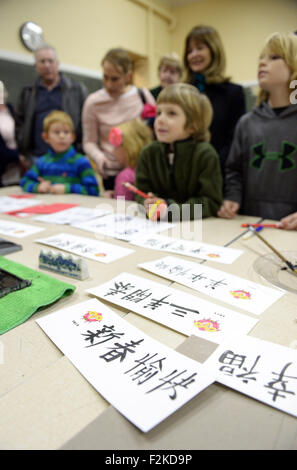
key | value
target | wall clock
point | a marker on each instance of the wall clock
(31, 35)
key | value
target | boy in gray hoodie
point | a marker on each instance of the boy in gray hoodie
(261, 169)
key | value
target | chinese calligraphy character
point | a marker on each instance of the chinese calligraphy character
(178, 270)
(162, 265)
(198, 277)
(119, 288)
(232, 359)
(151, 242)
(165, 245)
(154, 303)
(120, 351)
(169, 381)
(178, 248)
(182, 311)
(129, 231)
(107, 334)
(137, 296)
(280, 380)
(83, 248)
(196, 251)
(213, 284)
(237, 361)
(141, 369)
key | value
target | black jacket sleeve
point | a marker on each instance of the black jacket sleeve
(7, 155)
(228, 103)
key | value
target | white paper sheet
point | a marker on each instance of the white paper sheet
(123, 227)
(263, 370)
(96, 250)
(194, 249)
(17, 230)
(8, 204)
(143, 379)
(234, 290)
(182, 312)
(72, 216)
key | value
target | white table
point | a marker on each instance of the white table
(46, 404)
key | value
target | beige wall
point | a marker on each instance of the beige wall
(83, 30)
(243, 26)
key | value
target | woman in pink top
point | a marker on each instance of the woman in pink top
(128, 140)
(116, 103)
(12, 164)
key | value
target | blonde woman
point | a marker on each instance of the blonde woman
(205, 64)
(117, 102)
(128, 140)
(12, 163)
(181, 167)
(261, 170)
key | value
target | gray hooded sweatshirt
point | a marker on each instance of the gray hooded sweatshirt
(261, 169)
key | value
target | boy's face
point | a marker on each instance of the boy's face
(170, 123)
(273, 72)
(59, 137)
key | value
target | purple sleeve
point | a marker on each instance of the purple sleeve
(125, 176)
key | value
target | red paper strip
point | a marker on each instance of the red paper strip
(43, 209)
(21, 196)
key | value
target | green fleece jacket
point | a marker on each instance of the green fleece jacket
(194, 177)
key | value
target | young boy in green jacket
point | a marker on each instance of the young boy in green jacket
(181, 168)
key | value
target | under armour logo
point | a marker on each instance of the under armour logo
(284, 157)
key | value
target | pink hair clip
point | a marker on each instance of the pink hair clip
(148, 111)
(115, 137)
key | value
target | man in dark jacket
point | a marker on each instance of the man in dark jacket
(51, 91)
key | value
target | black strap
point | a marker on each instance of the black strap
(141, 94)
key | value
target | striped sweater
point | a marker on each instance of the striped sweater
(69, 168)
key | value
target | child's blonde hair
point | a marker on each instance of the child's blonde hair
(196, 106)
(171, 60)
(215, 72)
(136, 135)
(285, 46)
(57, 116)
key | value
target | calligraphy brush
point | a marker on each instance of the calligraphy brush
(260, 225)
(288, 263)
(135, 190)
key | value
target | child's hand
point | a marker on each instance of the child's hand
(228, 209)
(44, 186)
(101, 165)
(289, 222)
(57, 189)
(24, 162)
(149, 201)
(155, 207)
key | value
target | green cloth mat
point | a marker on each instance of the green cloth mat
(18, 306)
